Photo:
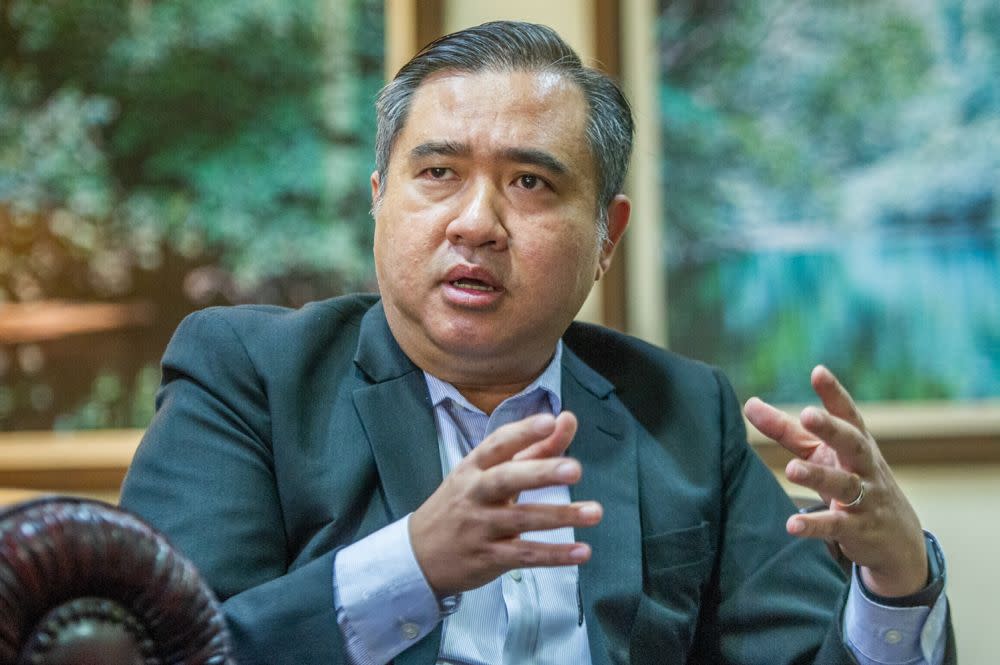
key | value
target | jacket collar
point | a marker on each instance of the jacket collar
(379, 355)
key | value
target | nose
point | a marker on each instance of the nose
(479, 222)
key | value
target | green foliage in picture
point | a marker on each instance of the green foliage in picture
(167, 156)
(240, 130)
(831, 177)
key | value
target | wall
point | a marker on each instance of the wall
(959, 504)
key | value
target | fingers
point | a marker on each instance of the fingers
(835, 397)
(870, 519)
(504, 481)
(853, 446)
(556, 443)
(517, 553)
(469, 530)
(828, 525)
(830, 483)
(516, 519)
(781, 427)
(544, 434)
(840, 427)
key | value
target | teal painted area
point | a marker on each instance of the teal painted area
(831, 183)
(906, 316)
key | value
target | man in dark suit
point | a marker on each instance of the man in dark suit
(455, 472)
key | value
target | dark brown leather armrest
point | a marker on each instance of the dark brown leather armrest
(85, 582)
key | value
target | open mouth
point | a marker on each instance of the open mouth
(473, 284)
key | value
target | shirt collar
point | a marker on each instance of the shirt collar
(550, 381)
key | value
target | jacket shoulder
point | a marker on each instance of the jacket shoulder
(273, 337)
(272, 327)
(623, 359)
(655, 385)
(274, 320)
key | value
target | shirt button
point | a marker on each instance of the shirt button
(410, 630)
(893, 637)
(515, 575)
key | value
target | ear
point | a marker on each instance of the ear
(618, 214)
(376, 184)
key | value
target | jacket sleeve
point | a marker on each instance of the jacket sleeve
(204, 476)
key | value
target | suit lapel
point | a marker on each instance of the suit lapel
(612, 580)
(396, 413)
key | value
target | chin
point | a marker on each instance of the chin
(468, 343)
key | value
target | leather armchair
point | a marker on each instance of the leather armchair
(85, 583)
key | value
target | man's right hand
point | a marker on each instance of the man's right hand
(469, 531)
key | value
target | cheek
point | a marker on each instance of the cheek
(404, 250)
(561, 260)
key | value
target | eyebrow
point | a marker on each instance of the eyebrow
(520, 155)
(536, 157)
(444, 148)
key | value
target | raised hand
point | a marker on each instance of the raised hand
(468, 531)
(869, 518)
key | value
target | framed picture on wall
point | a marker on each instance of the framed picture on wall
(157, 158)
(830, 178)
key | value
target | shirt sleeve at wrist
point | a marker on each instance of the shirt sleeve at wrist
(384, 604)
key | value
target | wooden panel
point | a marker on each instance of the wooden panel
(430, 21)
(90, 463)
(10, 496)
(607, 45)
(410, 25)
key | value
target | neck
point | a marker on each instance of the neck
(485, 377)
(488, 398)
(485, 385)
(485, 390)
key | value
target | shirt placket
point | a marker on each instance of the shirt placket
(519, 588)
(520, 595)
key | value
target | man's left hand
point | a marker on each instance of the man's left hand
(838, 458)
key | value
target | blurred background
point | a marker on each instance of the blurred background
(831, 178)
(156, 158)
(828, 180)
(813, 182)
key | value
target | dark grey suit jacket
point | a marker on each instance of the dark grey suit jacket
(283, 435)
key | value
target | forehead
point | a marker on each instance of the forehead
(492, 111)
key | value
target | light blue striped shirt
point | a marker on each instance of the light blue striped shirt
(524, 616)
(533, 615)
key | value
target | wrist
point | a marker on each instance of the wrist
(927, 595)
(903, 577)
(896, 583)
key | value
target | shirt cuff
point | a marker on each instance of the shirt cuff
(884, 634)
(384, 604)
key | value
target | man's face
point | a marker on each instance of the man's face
(486, 239)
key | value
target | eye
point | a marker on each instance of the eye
(437, 172)
(531, 182)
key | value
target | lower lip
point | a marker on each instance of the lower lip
(464, 297)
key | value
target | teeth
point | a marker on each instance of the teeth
(475, 286)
